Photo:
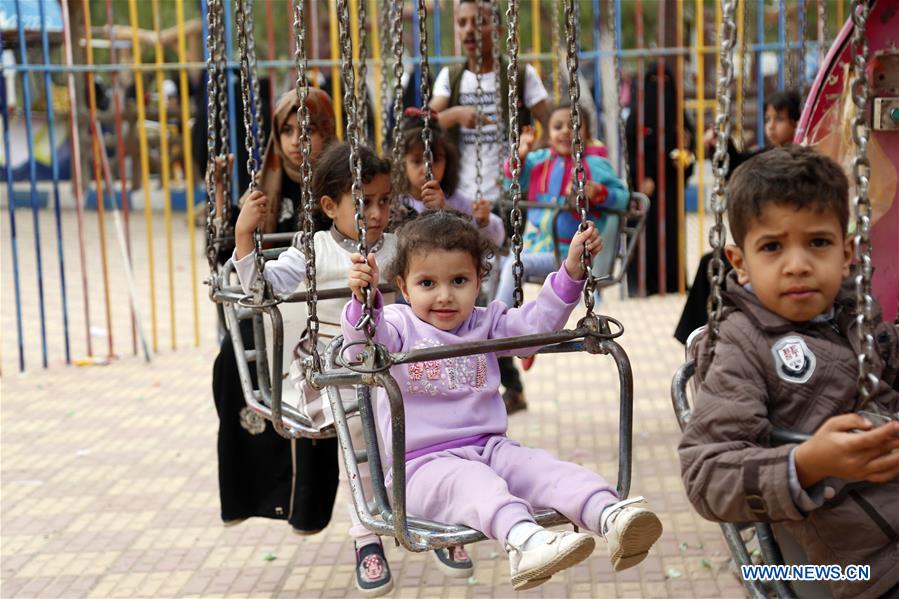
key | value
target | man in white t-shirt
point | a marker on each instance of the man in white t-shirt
(457, 107)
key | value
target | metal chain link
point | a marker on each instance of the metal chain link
(800, 66)
(384, 30)
(424, 69)
(211, 137)
(822, 31)
(306, 205)
(744, 54)
(398, 167)
(362, 83)
(720, 167)
(221, 75)
(861, 170)
(248, 87)
(514, 142)
(479, 98)
(349, 96)
(572, 27)
(622, 141)
(500, 119)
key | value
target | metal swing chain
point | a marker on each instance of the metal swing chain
(424, 69)
(250, 99)
(744, 47)
(346, 67)
(397, 171)
(307, 203)
(720, 167)
(861, 170)
(514, 142)
(384, 24)
(479, 97)
(362, 80)
(572, 26)
(622, 141)
(800, 66)
(497, 74)
(221, 71)
(211, 120)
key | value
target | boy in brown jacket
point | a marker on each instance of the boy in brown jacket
(787, 358)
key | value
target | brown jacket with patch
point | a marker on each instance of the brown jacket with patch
(733, 474)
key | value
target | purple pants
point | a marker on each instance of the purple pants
(494, 487)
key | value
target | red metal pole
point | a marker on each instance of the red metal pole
(120, 154)
(660, 153)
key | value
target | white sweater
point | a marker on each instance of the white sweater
(287, 274)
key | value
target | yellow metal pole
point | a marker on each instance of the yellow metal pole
(376, 56)
(187, 153)
(144, 160)
(98, 179)
(164, 168)
(839, 15)
(354, 37)
(700, 120)
(535, 35)
(336, 97)
(681, 178)
(557, 92)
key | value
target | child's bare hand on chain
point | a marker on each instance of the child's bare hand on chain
(588, 239)
(363, 273)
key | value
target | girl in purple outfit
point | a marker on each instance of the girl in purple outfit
(442, 190)
(460, 466)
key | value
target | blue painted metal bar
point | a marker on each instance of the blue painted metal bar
(436, 48)
(416, 48)
(11, 204)
(597, 69)
(232, 104)
(760, 77)
(800, 65)
(618, 51)
(781, 38)
(54, 167)
(32, 174)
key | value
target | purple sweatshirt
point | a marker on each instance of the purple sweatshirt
(456, 402)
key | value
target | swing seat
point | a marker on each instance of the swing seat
(776, 545)
(389, 515)
(620, 231)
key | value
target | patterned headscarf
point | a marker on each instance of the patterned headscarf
(274, 161)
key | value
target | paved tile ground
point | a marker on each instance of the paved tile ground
(109, 484)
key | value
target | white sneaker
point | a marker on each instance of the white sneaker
(532, 567)
(630, 529)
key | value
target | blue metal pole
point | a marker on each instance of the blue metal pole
(32, 174)
(54, 165)
(597, 70)
(436, 46)
(232, 105)
(618, 51)
(782, 41)
(800, 67)
(760, 83)
(11, 204)
(417, 53)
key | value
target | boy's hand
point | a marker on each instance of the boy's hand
(835, 450)
(432, 195)
(526, 141)
(590, 239)
(363, 273)
(480, 210)
(251, 216)
(465, 116)
(221, 167)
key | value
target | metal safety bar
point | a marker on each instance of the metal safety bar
(390, 517)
